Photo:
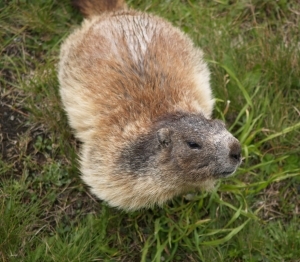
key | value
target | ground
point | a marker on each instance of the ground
(48, 214)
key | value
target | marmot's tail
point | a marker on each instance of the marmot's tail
(91, 8)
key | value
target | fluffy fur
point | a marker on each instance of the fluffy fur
(137, 94)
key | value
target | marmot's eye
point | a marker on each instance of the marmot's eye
(193, 145)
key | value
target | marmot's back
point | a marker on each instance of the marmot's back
(132, 65)
(133, 85)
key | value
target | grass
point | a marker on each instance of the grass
(47, 214)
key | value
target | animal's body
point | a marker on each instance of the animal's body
(136, 91)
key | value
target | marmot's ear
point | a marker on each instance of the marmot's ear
(164, 136)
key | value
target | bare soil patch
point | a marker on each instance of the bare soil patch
(12, 125)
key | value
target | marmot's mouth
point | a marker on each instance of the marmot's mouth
(227, 173)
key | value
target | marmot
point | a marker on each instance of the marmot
(136, 91)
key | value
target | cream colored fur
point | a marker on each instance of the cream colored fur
(107, 118)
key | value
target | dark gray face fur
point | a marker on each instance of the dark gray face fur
(188, 147)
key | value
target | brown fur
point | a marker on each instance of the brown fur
(137, 94)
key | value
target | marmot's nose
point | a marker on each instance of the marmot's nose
(235, 151)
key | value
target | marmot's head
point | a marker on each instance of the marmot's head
(185, 150)
(199, 148)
